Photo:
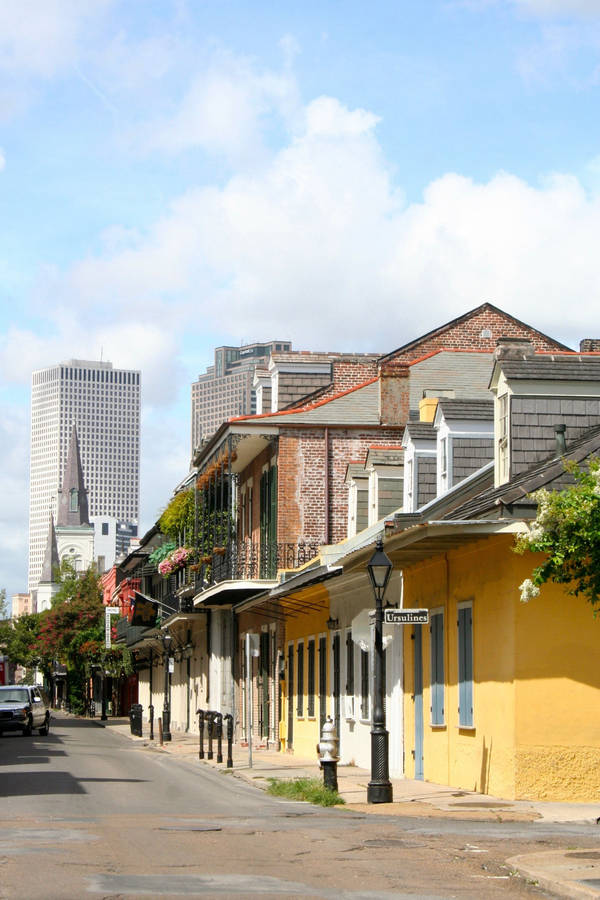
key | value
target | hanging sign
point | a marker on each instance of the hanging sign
(406, 616)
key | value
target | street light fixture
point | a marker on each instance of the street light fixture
(379, 789)
(166, 722)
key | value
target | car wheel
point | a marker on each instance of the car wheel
(45, 728)
(28, 729)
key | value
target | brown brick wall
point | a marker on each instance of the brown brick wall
(302, 504)
(467, 336)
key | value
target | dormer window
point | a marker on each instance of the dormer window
(73, 500)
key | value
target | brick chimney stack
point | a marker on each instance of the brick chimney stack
(394, 393)
(513, 348)
(589, 345)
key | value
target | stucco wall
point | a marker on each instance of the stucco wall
(536, 680)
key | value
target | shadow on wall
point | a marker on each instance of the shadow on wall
(484, 778)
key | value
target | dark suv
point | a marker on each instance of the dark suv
(24, 707)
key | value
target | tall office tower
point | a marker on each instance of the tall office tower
(225, 389)
(104, 405)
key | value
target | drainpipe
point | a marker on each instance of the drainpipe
(326, 436)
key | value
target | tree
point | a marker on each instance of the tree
(567, 530)
(72, 633)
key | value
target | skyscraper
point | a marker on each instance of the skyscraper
(226, 388)
(104, 405)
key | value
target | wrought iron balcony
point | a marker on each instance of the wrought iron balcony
(129, 634)
(248, 561)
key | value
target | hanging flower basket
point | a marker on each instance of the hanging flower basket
(176, 560)
(206, 560)
(219, 551)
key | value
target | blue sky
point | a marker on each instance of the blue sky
(179, 174)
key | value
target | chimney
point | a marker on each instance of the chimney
(394, 393)
(427, 408)
(513, 348)
(561, 444)
(589, 345)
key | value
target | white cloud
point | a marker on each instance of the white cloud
(320, 240)
(223, 110)
(40, 37)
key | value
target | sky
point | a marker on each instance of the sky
(177, 175)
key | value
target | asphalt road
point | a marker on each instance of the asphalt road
(87, 813)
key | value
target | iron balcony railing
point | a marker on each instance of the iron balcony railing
(249, 561)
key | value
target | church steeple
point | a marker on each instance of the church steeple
(72, 497)
(50, 557)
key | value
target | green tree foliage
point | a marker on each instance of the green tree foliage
(567, 531)
(19, 638)
(177, 521)
(72, 633)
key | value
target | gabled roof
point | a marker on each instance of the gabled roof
(420, 431)
(515, 493)
(477, 410)
(484, 307)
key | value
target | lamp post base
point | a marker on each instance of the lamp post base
(379, 788)
(380, 792)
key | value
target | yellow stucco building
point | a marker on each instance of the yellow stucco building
(500, 696)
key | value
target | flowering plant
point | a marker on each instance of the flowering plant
(175, 560)
(567, 530)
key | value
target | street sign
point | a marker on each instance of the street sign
(171, 665)
(109, 612)
(406, 616)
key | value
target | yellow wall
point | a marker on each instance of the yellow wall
(479, 758)
(305, 625)
(536, 680)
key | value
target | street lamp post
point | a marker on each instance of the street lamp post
(166, 723)
(379, 789)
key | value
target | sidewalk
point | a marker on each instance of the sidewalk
(571, 873)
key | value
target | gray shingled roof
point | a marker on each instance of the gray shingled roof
(553, 367)
(421, 431)
(480, 410)
(516, 492)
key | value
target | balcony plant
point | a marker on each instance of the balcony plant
(177, 559)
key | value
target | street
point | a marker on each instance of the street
(86, 812)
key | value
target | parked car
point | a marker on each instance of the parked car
(24, 707)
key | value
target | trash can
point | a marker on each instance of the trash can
(135, 719)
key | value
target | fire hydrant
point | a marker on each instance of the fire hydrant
(328, 754)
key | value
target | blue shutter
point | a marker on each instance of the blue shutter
(465, 667)
(437, 669)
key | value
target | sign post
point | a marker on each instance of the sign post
(251, 650)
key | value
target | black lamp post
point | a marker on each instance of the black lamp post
(166, 723)
(379, 789)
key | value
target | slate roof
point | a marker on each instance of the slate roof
(421, 431)
(476, 410)
(515, 493)
(553, 367)
(50, 557)
(73, 480)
